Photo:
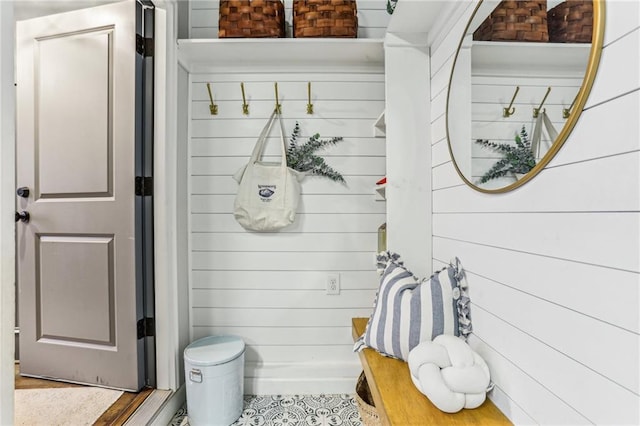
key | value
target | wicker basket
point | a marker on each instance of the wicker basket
(325, 18)
(251, 18)
(571, 22)
(515, 20)
(364, 401)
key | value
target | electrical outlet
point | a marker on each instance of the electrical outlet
(333, 283)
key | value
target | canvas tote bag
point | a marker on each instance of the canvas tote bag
(269, 192)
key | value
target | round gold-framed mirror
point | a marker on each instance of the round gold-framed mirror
(512, 104)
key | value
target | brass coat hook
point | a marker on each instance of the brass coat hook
(278, 106)
(245, 106)
(508, 111)
(213, 108)
(536, 111)
(309, 105)
(567, 111)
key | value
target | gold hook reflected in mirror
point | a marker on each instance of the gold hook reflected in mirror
(566, 112)
(536, 111)
(278, 106)
(245, 106)
(213, 108)
(309, 105)
(508, 111)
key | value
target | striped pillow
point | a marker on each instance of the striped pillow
(408, 311)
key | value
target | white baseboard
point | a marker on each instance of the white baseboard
(300, 378)
(302, 386)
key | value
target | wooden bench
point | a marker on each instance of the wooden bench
(399, 403)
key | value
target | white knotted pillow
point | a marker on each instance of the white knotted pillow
(449, 373)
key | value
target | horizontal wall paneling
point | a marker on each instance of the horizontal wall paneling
(319, 222)
(554, 266)
(357, 185)
(259, 316)
(613, 80)
(559, 235)
(256, 241)
(535, 404)
(277, 261)
(581, 180)
(351, 147)
(270, 288)
(586, 340)
(550, 280)
(227, 166)
(440, 153)
(612, 404)
(296, 280)
(281, 336)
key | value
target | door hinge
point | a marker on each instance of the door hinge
(144, 46)
(144, 185)
(146, 327)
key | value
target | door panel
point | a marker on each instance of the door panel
(79, 300)
(76, 68)
(85, 291)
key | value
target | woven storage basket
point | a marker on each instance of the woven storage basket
(364, 401)
(251, 18)
(325, 18)
(515, 20)
(571, 22)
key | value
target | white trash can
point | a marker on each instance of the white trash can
(214, 373)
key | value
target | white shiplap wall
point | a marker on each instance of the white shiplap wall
(372, 18)
(269, 288)
(553, 266)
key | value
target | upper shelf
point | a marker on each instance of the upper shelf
(559, 59)
(202, 55)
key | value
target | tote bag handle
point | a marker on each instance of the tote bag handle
(258, 150)
(543, 118)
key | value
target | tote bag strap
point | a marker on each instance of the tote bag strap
(542, 121)
(283, 144)
(537, 135)
(258, 150)
(551, 131)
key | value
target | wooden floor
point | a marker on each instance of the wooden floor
(115, 415)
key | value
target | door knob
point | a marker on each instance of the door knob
(23, 192)
(22, 216)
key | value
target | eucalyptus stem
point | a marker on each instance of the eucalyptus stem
(303, 158)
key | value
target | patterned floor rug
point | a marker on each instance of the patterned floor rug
(291, 410)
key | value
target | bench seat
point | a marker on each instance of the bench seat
(400, 403)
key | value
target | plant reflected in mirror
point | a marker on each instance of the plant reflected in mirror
(517, 159)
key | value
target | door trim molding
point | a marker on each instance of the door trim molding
(144, 170)
(7, 205)
(168, 310)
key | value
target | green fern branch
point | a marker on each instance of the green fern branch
(303, 157)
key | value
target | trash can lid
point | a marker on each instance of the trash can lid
(214, 350)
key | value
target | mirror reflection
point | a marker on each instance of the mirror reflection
(517, 87)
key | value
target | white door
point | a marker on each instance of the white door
(79, 304)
